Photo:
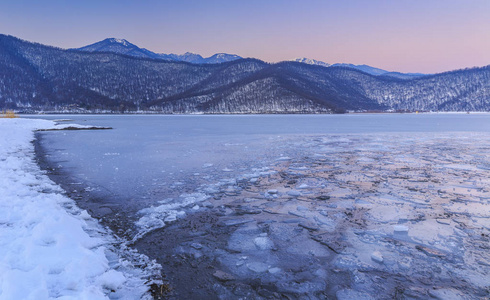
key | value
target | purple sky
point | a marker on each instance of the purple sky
(425, 36)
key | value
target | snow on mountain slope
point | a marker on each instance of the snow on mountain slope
(43, 78)
(187, 57)
(122, 46)
(311, 61)
(403, 75)
(221, 57)
(363, 68)
(48, 247)
(198, 59)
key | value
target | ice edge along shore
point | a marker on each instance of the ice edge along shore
(50, 248)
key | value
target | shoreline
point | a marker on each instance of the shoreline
(46, 239)
(78, 193)
(148, 113)
(173, 234)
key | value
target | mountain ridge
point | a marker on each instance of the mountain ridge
(122, 46)
(35, 77)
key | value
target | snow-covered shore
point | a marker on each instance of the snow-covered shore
(49, 248)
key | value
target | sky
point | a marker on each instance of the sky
(426, 36)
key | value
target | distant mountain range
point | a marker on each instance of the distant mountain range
(34, 78)
(363, 68)
(122, 46)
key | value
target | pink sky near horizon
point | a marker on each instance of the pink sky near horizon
(404, 35)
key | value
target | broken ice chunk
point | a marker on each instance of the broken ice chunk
(400, 229)
(196, 246)
(257, 267)
(294, 193)
(263, 243)
(377, 257)
(223, 276)
(301, 208)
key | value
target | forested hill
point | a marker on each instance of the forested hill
(35, 77)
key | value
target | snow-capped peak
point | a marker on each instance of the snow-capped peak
(120, 41)
(311, 61)
(225, 56)
(221, 57)
(122, 46)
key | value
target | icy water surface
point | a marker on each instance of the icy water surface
(318, 206)
(142, 154)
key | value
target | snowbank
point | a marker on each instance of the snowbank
(49, 248)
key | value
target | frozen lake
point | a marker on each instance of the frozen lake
(367, 195)
(145, 155)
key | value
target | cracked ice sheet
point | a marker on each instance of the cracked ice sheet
(48, 247)
(400, 214)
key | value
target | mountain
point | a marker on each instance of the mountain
(363, 68)
(35, 77)
(187, 57)
(310, 61)
(121, 46)
(221, 57)
(402, 75)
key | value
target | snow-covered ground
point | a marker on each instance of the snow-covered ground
(49, 248)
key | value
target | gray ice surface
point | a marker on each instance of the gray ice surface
(368, 206)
